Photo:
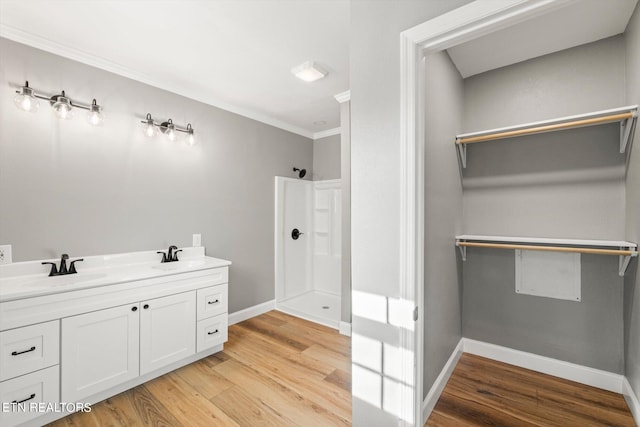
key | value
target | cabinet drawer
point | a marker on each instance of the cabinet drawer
(212, 332)
(39, 386)
(28, 349)
(212, 301)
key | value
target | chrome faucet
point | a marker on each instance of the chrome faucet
(171, 255)
(55, 271)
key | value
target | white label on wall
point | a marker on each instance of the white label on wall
(548, 274)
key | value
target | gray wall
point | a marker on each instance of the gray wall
(443, 215)
(345, 173)
(563, 184)
(326, 158)
(632, 294)
(68, 187)
(375, 172)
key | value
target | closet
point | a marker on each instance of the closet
(525, 206)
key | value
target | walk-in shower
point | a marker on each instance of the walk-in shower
(308, 249)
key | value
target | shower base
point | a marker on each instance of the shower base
(311, 306)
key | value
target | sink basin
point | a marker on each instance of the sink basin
(57, 281)
(179, 265)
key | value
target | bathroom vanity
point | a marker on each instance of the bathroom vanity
(120, 321)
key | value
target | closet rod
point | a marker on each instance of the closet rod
(539, 129)
(621, 252)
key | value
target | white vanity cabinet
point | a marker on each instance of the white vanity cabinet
(108, 347)
(85, 345)
(99, 350)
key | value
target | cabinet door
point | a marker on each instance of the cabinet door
(99, 350)
(167, 330)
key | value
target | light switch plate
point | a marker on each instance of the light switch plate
(197, 240)
(5, 254)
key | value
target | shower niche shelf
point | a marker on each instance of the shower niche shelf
(623, 249)
(626, 116)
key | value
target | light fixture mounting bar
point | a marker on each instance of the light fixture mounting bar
(165, 123)
(52, 100)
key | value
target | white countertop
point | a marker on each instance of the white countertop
(30, 279)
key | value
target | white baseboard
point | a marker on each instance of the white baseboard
(558, 368)
(632, 400)
(441, 381)
(250, 312)
(345, 328)
(334, 324)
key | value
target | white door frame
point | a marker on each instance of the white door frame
(466, 23)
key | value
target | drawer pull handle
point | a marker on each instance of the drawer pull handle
(16, 353)
(24, 400)
(213, 302)
(211, 333)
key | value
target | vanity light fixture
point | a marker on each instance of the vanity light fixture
(168, 128)
(309, 71)
(27, 100)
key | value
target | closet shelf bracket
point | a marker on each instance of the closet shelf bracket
(627, 128)
(463, 251)
(623, 263)
(462, 152)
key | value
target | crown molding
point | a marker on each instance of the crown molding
(326, 133)
(78, 55)
(343, 96)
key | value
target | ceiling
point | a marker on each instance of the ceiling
(578, 23)
(232, 54)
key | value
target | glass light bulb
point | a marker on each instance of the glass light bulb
(63, 111)
(62, 106)
(149, 130)
(25, 100)
(94, 115)
(191, 140)
(171, 133)
(95, 118)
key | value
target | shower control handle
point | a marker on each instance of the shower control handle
(295, 234)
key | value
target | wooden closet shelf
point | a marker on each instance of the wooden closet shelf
(625, 250)
(627, 117)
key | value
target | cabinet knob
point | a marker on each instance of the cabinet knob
(146, 306)
(134, 308)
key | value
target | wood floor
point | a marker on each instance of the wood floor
(483, 392)
(275, 370)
